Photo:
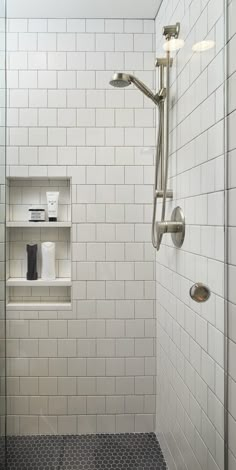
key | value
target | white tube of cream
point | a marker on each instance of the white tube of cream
(48, 260)
(52, 200)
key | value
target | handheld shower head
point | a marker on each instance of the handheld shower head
(122, 80)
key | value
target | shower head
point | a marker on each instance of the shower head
(122, 80)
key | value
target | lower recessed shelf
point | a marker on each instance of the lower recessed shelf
(39, 306)
(21, 282)
(24, 224)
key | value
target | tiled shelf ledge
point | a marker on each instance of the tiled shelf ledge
(38, 224)
(21, 282)
(38, 306)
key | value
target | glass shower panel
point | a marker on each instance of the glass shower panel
(83, 361)
(2, 236)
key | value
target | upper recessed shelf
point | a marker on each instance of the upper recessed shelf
(38, 224)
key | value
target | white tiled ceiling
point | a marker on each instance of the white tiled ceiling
(83, 8)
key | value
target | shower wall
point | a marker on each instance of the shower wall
(190, 336)
(232, 231)
(90, 369)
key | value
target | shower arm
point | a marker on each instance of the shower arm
(146, 91)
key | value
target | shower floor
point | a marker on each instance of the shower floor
(90, 452)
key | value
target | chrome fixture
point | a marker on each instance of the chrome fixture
(176, 226)
(122, 80)
(171, 31)
(200, 292)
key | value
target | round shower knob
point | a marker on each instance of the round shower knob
(200, 292)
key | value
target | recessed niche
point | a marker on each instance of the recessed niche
(21, 195)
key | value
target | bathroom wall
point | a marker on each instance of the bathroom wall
(90, 369)
(190, 340)
(232, 230)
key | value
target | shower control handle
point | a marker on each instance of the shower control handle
(175, 226)
(168, 227)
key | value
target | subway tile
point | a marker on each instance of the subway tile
(18, 25)
(18, 60)
(66, 80)
(47, 348)
(96, 25)
(86, 348)
(124, 42)
(86, 385)
(96, 367)
(76, 405)
(27, 41)
(29, 386)
(48, 386)
(115, 404)
(38, 367)
(57, 405)
(47, 41)
(56, 98)
(105, 424)
(96, 328)
(143, 42)
(85, 42)
(67, 424)
(56, 25)
(37, 25)
(87, 424)
(95, 405)
(115, 367)
(113, 61)
(38, 405)
(28, 425)
(114, 26)
(66, 42)
(75, 25)
(106, 347)
(76, 367)
(66, 386)
(104, 42)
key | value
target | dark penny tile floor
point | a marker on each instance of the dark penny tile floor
(90, 452)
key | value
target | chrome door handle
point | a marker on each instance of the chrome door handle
(199, 292)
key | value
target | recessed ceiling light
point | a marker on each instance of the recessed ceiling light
(173, 44)
(203, 46)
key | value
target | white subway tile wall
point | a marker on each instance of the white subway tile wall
(231, 232)
(190, 373)
(90, 369)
